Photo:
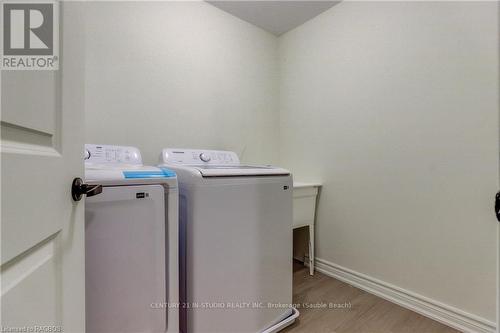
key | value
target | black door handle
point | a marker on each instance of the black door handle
(497, 205)
(79, 188)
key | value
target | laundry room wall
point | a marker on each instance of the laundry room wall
(393, 106)
(180, 74)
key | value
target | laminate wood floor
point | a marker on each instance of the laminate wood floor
(341, 308)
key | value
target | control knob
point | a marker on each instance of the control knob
(204, 157)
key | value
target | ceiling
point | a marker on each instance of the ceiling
(277, 17)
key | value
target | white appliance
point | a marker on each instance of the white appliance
(131, 243)
(236, 243)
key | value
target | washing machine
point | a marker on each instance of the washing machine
(131, 243)
(236, 243)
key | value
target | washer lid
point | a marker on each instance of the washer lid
(239, 170)
(215, 163)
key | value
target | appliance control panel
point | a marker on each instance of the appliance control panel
(106, 154)
(198, 156)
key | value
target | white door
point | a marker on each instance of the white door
(42, 229)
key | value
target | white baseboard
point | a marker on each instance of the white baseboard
(443, 313)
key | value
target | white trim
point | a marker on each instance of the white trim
(448, 315)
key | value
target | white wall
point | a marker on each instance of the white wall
(394, 106)
(180, 74)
